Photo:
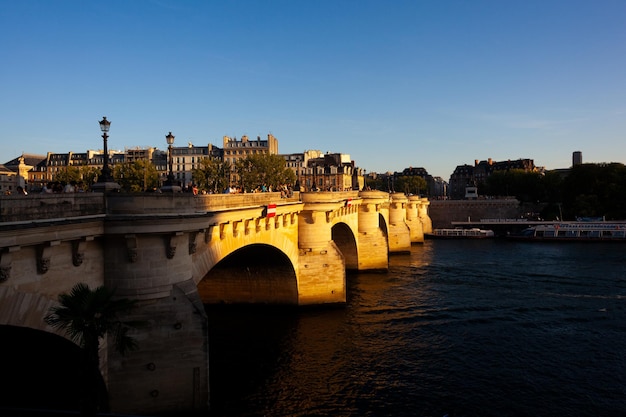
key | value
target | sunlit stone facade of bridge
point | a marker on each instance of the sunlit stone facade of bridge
(174, 253)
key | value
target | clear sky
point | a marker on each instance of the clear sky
(395, 84)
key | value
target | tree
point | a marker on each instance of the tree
(524, 185)
(87, 316)
(377, 183)
(136, 176)
(410, 184)
(212, 174)
(89, 174)
(263, 169)
(82, 175)
(595, 190)
(68, 174)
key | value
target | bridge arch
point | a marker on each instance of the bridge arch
(345, 239)
(382, 224)
(255, 273)
(38, 381)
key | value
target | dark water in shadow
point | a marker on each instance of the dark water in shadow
(463, 328)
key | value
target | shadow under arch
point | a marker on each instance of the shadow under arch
(382, 224)
(41, 370)
(345, 240)
(253, 274)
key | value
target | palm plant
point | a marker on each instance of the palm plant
(87, 316)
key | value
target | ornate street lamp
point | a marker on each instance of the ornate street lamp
(170, 175)
(105, 176)
(169, 185)
(105, 180)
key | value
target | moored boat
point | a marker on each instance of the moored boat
(574, 231)
(459, 233)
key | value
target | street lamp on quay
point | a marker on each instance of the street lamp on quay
(169, 185)
(105, 180)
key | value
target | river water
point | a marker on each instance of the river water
(456, 328)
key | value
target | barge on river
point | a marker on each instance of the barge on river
(459, 233)
(574, 232)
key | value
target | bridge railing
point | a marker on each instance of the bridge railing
(185, 203)
(19, 208)
(33, 207)
(328, 196)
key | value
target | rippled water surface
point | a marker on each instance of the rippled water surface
(463, 328)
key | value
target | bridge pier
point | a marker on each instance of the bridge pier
(416, 229)
(170, 369)
(373, 246)
(321, 265)
(399, 234)
(427, 223)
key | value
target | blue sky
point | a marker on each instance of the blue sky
(395, 84)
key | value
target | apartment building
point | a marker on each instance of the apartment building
(186, 159)
(298, 163)
(235, 150)
(467, 177)
(331, 172)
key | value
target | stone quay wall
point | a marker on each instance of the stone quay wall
(444, 212)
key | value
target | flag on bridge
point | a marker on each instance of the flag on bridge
(270, 210)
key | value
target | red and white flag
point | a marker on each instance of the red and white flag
(270, 210)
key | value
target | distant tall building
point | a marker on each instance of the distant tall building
(187, 158)
(299, 162)
(465, 176)
(234, 150)
(331, 172)
(577, 158)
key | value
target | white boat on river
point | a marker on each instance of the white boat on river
(575, 231)
(459, 233)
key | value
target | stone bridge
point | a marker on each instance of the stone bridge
(174, 253)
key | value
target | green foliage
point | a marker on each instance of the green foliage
(377, 183)
(212, 175)
(410, 184)
(589, 190)
(595, 190)
(89, 174)
(140, 175)
(87, 316)
(68, 174)
(257, 170)
(79, 174)
(525, 186)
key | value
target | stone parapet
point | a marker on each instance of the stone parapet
(22, 208)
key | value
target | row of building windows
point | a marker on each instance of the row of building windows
(254, 144)
(246, 152)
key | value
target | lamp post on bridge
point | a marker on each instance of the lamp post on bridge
(105, 179)
(169, 185)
